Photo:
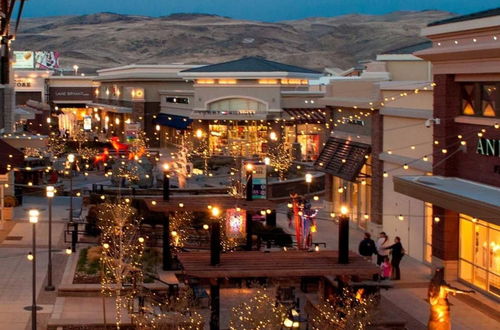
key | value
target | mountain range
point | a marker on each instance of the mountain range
(106, 39)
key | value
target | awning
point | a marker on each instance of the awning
(9, 156)
(25, 113)
(342, 158)
(311, 116)
(177, 122)
(459, 195)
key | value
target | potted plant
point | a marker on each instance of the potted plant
(9, 202)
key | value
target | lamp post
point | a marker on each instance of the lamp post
(344, 235)
(74, 232)
(249, 184)
(33, 217)
(167, 252)
(166, 182)
(50, 195)
(75, 68)
(309, 179)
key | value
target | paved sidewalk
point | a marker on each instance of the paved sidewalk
(410, 294)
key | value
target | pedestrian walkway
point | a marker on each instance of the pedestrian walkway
(410, 294)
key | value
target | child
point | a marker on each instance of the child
(385, 269)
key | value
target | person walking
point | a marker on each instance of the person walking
(397, 253)
(367, 246)
(382, 243)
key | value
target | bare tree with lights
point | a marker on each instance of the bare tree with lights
(352, 310)
(122, 250)
(181, 161)
(261, 311)
(281, 159)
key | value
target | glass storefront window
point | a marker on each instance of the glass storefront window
(480, 254)
(428, 233)
(480, 99)
(238, 140)
(308, 136)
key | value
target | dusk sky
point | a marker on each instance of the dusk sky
(265, 10)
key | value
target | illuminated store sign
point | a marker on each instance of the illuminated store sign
(488, 147)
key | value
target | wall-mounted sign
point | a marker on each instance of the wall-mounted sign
(259, 178)
(235, 223)
(350, 121)
(87, 123)
(23, 60)
(23, 83)
(70, 93)
(488, 147)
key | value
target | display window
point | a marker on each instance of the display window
(238, 140)
(480, 254)
(308, 136)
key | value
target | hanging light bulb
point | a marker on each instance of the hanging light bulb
(401, 217)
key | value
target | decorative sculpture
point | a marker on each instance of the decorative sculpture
(439, 318)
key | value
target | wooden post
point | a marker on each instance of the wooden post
(271, 219)
(215, 243)
(249, 186)
(167, 253)
(214, 304)
(248, 245)
(344, 239)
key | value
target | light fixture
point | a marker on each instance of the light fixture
(405, 166)
(344, 210)
(385, 174)
(106, 246)
(316, 198)
(401, 217)
(332, 215)
(436, 219)
(215, 211)
(50, 191)
(308, 177)
(68, 251)
(30, 256)
(71, 158)
(33, 215)
(290, 205)
(267, 160)
(205, 226)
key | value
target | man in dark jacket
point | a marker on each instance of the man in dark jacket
(367, 246)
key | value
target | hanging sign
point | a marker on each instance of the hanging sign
(235, 223)
(87, 123)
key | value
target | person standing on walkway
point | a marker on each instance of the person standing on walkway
(397, 252)
(382, 243)
(385, 269)
(367, 246)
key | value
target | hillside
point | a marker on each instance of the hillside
(106, 39)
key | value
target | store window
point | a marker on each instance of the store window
(481, 99)
(480, 254)
(428, 233)
(308, 137)
(238, 140)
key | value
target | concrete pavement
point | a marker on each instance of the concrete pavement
(410, 294)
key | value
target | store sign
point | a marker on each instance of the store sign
(46, 60)
(70, 93)
(23, 60)
(235, 223)
(87, 123)
(23, 83)
(259, 178)
(488, 147)
(349, 121)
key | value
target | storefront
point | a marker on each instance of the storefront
(464, 187)
(238, 139)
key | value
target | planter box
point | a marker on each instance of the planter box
(8, 213)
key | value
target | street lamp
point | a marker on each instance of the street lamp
(33, 217)
(50, 195)
(309, 179)
(75, 68)
(249, 184)
(344, 235)
(74, 233)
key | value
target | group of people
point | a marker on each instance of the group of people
(383, 248)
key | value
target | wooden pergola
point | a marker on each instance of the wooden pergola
(199, 203)
(291, 263)
(278, 264)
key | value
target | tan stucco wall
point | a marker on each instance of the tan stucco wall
(409, 70)
(151, 89)
(206, 94)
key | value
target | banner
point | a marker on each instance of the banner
(23, 60)
(46, 60)
(235, 223)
